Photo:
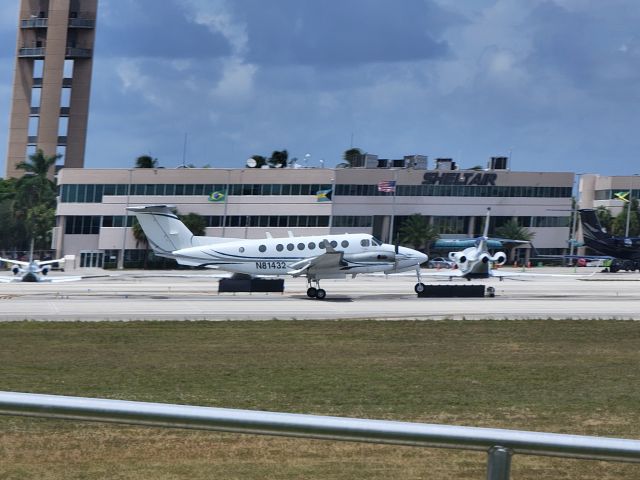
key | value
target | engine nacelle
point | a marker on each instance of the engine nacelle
(45, 270)
(499, 258)
(15, 269)
(457, 257)
(484, 258)
(369, 257)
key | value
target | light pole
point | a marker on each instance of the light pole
(574, 223)
(626, 228)
(126, 218)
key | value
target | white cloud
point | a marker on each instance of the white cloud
(134, 80)
(216, 15)
(236, 82)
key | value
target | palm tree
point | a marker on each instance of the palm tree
(417, 232)
(195, 223)
(619, 223)
(146, 161)
(512, 231)
(38, 164)
(35, 198)
(141, 238)
(604, 217)
(353, 157)
(279, 159)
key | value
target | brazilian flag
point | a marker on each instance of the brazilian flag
(323, 195)
(217, 197)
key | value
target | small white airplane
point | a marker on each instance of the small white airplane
(476, 262)
(314, 257)
(33, 270)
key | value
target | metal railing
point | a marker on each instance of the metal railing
(500, 444)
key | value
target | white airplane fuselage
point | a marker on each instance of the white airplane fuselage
(361, 253)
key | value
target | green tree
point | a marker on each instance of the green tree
(604, 217)
(279, 159)
(353, 157)
(513, 231)
(34, 201)
(39, 222)
(141, 238)
(38, 164)
(195, 223)
(619, 223)
(260, 161)
(417, 232)
(146, 161)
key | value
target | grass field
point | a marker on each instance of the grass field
(579, 377)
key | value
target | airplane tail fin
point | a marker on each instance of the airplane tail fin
(164, 230)
(485, 233)
(591, 227)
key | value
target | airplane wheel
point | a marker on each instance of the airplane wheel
(491, 292)
(312, 292)
(419, 288)
(320, 294)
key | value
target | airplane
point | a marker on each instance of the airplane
(623, 251)
(32, 271)
(475, 262)
(316, 257)
(36, 271)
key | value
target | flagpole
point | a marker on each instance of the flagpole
(333, 187)
(626, 228)
(393, 206)
(226, 194)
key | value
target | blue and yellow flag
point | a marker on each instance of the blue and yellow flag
(622, 196)
(217, 197)
(323, 195)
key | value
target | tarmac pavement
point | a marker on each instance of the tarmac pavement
(193, 295)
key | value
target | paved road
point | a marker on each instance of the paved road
(377, 297)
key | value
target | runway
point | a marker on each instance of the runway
(175, 297)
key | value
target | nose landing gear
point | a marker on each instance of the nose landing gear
(420, 287)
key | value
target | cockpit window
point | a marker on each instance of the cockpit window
(364, 242)
(375, 241)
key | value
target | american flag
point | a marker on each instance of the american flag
(388, 186)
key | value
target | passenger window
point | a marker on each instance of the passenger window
(334, 244)
(321, 244)
(262, 248)
(364, 242)
(241, 249)
(344, 244)
(279, 247)
(290, 246)
(301, 246)
(311, 245)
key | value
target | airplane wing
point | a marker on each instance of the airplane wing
(14, 262)
(502, 274)
(47, 262)
(9, 279)
(62, 279)
(448, 273)
(331, 260)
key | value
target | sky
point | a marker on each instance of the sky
(554, 84)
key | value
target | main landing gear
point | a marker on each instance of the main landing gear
(419, 288)
(315, 292)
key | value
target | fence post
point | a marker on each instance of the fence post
(499, 463)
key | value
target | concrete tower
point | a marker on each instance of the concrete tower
(52, 80)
